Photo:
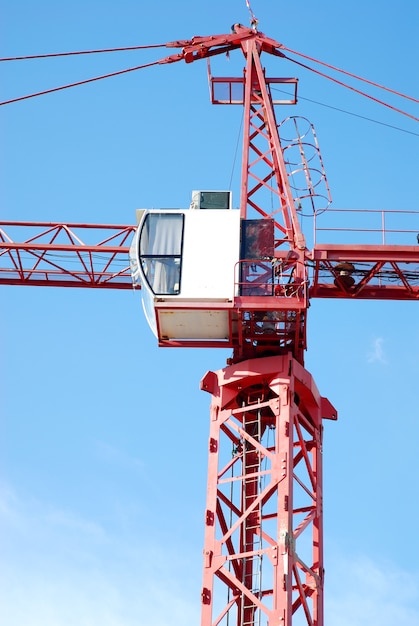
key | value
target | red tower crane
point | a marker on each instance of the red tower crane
(263, 546)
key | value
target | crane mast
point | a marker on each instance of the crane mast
(265, 471)
(263, 544)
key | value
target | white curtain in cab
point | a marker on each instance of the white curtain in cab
(160, 251)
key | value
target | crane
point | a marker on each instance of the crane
(263, 552)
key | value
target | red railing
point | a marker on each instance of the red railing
(359, 226)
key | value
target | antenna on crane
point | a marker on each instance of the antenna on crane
(253, 19)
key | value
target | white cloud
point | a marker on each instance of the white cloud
(22, 518)
(376, 355)
(92, 598)
(59, 568)
(74, 523)
(111, 454)
(62, 569)
(362, 591)
(9, 506)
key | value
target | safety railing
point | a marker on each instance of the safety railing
(270, 277)
(375, 227)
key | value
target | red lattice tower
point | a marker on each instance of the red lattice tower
(263, 552)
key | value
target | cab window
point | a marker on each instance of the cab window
(160, 252)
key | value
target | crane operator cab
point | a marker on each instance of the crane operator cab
(185, 262)
(211, 279)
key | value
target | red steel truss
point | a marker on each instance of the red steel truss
(263, 554)
(65, 255)
(96, 256)
(380, 272)
(263, 557)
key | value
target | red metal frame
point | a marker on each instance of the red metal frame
(58, 255)
(263, 554)
(263, 166)
(378, 272)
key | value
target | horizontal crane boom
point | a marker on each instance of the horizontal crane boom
(65, 255)
(376, 272)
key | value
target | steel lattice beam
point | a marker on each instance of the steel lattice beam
(263, 554)
(380, 272)
(65, 255)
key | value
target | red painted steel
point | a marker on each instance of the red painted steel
(263, 554)
(380, 272)
(58, 255)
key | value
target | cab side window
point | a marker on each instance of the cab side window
(160, 252)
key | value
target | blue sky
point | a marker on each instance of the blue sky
(103, 435)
